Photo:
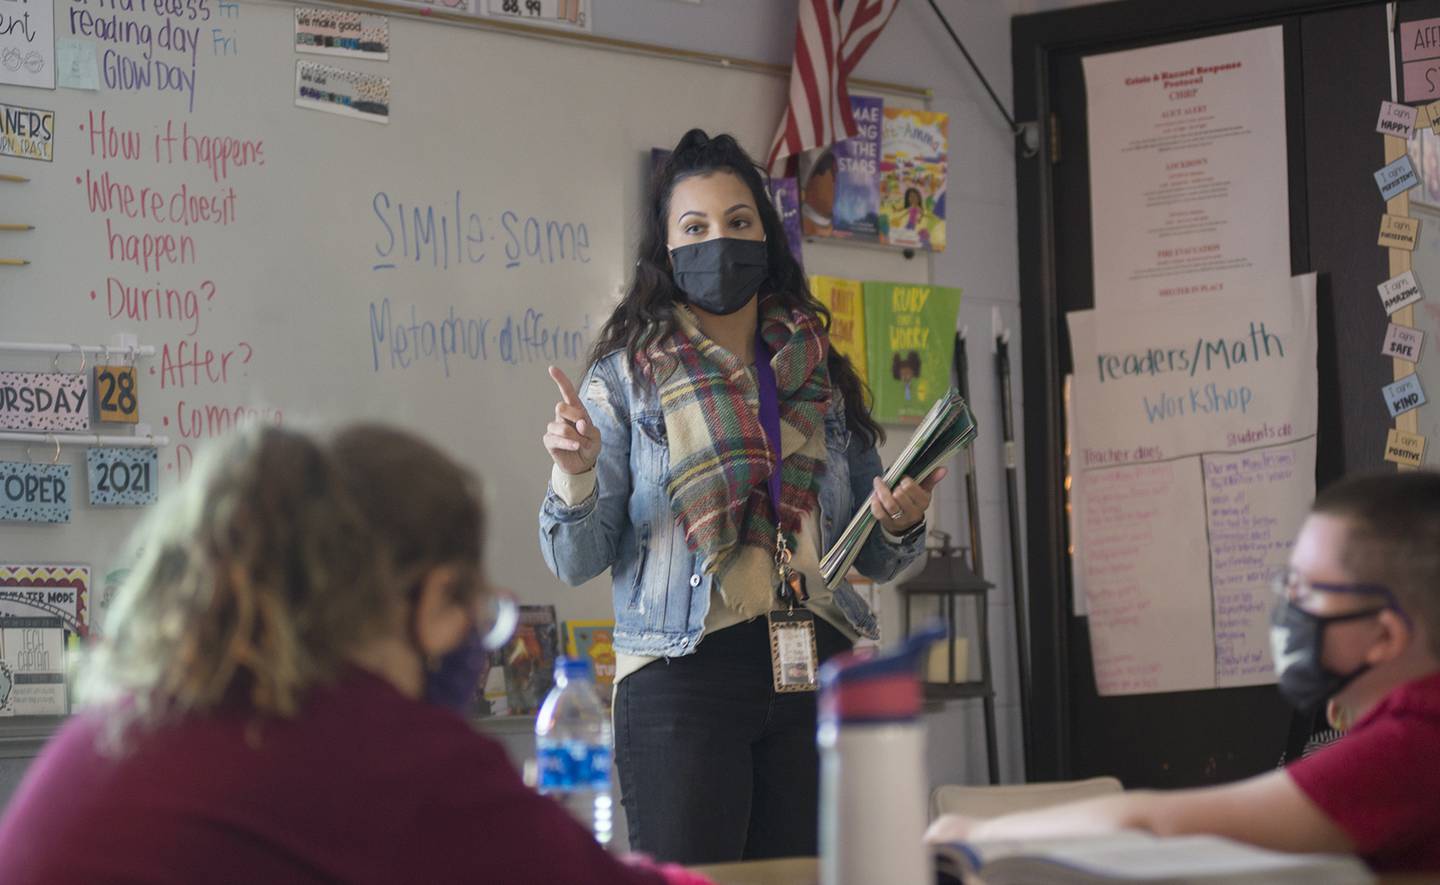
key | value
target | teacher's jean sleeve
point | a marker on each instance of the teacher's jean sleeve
(579, 541)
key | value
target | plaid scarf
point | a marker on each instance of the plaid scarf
(720, 462)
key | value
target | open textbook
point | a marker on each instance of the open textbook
(1132, 856)
(946, 429)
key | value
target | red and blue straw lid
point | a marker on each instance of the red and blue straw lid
(875, 689)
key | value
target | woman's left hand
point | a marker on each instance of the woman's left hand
(903, 509)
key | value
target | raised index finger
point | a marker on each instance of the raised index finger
(567, 389)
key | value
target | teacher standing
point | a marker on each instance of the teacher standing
(714, 369)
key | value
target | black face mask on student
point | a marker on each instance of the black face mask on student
(720, 276)
(1297, 642)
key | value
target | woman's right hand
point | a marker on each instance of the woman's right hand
(572, 439)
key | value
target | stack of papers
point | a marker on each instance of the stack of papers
(946, 429)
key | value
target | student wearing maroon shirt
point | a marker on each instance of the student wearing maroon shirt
(1356, 630)
(275, 696)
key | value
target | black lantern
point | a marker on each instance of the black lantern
(947, 577)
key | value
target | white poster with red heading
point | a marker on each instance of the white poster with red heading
(1188, 175)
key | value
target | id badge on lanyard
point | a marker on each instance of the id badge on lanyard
(793, 655)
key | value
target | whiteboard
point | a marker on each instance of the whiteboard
(530, 154)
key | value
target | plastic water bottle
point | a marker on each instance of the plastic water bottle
(573, 748)
(872, 768)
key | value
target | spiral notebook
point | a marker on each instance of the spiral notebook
(1136, 857)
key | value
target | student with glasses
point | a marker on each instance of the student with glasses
(1356, 631)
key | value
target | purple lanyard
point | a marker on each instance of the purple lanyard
(769, 417)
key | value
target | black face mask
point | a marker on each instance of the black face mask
(1297, 640)
(720, 276)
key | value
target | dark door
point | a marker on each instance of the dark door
(1337, 72)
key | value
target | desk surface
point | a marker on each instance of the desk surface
(790, 871)
(805, 871)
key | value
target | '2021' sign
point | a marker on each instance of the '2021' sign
(121, 477)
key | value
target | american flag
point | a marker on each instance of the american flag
(831, 37)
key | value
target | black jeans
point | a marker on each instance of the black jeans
(714, 765)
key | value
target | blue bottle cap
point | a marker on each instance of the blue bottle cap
(573, 668)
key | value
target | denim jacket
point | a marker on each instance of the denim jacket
(627, 524)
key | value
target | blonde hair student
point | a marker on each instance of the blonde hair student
(277, 694)
(1356, 631)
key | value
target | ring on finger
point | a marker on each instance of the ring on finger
(898, 515)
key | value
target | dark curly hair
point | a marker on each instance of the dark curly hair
(910, 361)
(647, 312)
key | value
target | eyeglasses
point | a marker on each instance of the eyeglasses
(496, 619)
(1289, 586)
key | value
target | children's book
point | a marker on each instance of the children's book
(529, 659)
(658, 159)
(1137, 857)
(856, 212)
(594, 641)
(910, 343)
(847, 316)
(841, 190)
(491, 699)
(913, 163)
(785, 196)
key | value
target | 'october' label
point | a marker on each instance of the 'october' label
(34, 492)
